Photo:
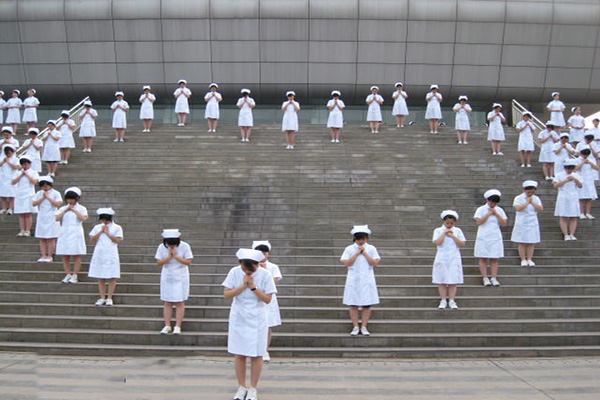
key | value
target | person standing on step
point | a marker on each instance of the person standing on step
(13, 116)
(25, 181)
(576, 124)
(8, 171)
(434, 111)
(568, 183)
(496, 122)
(182, 95)
(400, 109)
(360, 289)
(594, 146)
(562, 151)
(47, 227)
(547, 139)
(488, 244)
(595, 130)
(526, 232)
(289, 123)
(33, 148)
(51, 152)
(273, 314)
(526, 129)
(245, 119)
(212, 99)
(335, 121)
(71, 239)
(30, 105)
(87, 130)
(9, 138)
(147, 100)
(447, 266)
(105, 265)
(462, 124)
(174, 256)
(587, 169)
(119, 121)
(2, 106)
(66, 126)
(251, 288)
(556, 108)
(374, 117)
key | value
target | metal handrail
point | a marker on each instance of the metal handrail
(74, 112)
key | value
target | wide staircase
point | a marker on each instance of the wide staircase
(223, 194)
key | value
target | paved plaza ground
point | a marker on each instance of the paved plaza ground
(27, 376)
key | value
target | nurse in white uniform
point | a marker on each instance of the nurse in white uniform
(587, 169)
(25, 181)
(556, 108)
(13, 116)
(245, 120)
(447, 266)
(496, 122)
(182, 95)
(562, 151)
(147, 100)
(66, 126)
(51, 152)
(488, 244)
(33, 148)
(87, 130)
(2, 106)
(8, 170)
(30, 105)
(360, 290)
(576, 124)
(212, 99)
(289, 124)
(47, 200)
(251, 289)
(119, 121)
(462, 123)
(400, 110)
(434, 111)
(174, 257)
(71, 239)
(336, 116)
(374, 117)
(526, 129)
(568, 182)
(526, 232)
(105, 265)
(547, 138)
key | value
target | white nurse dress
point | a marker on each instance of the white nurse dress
(46, 225)
(71, 239)
(374, 111)
(527, 227)
(360, 288)
(245, 116)
(336, 116)
(290, 116)
(447, 266)
(105, 258)
(488, 243)
(174, 276)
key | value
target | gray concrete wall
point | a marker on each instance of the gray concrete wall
(488, 49)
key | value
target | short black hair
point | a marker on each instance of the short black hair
(41, 183)
(449, 216)
(360, 235)
(7, 149)
(171, 241)
(250, 265)
(105, 217)
(590, 137)
(529, 188)
(71, 195)
(263, 247)
(495, 198)
(585, 152)
(24, 160)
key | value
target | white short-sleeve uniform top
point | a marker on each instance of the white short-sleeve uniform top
(35, 154)
(30, 113)
(526, 136)
(360, 288)
(71, 239)
(7, 174)
(181, 102)
(593, 145)
(556, 108)
(2, 107)
(546, 153)
(105, 258)
(561, 157)
(147, 108)
(248, 317)
(12, 141)
(336, 115)
(13, 116)
(488, 243)
(434, 109)
(496, 126)
(119, 119)
(447, 266)
(567, 199)
(527, 227)
(588, 179)
(46, 225)
(88, 124)
(290, 116)
(594, 131)
(212, 105)
(66, 134)
(273, 314)
(576, 135)
(174, 276)
(462, 122)
(245, 116)
(51, 150)
(24, 193)
(400, 107)
(374, 110)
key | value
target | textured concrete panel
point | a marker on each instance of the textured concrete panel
(574, 57)
(472, 75)
(384, 31)
(522, 76)
(138, 52)
(284, 9)
(137, 30)
(98, 52)
(10, 53)
(186, 51)
(50, 53)
(480, 11)
(383, 9)
(194, 73)
(240, 51)
(436, 10)
(88, 9)
(284, 29)
(429, 74)
(430, 53)
(431, 31)
(330, 9)
(140, 72)
(595, 79)
(41, 10)
(234, 29)
(234, 9)
(90, 31)
(149, 9)
(10, 32)
(527, 34)
(185, 29)
(94, 73)
(479, 32)
(332, 52)
(380, 74)
(574, 35)
(58, 74)
(530, 56)
(574, 78)
(8, 10)
(54, 31)
(185, 8)
(236, 73)
(527, 12)
(477, 54)
(382, 52)
(284, 73)
(12, 76)
(584, 14)
(283, 51)
(331, 73)
(333, 29)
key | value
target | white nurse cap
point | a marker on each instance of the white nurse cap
(179, 82)
(1, 92)
(50, 121)
(7, 129)
(497, 105)
(463, 97)
(290, 93)
(447, 213)
(87, 103)
(374, 87)
(564, 134)
(65, 112)
(33, 90)
(105, 210)
(433, 87)
(213, 84)
(250, 254)
(9, 146)
(570, 163)
(336, 93)
(34, 130)
(555, 93)
(528, 114)
(243, 91)
(146, 87)
(573, 109)
(73, 189)
(492, 192)
(45, 178)
(530, 184)
(17, 91)
(398, 84)
(360, 229)
(119, 94)
(171, 233)
(25, 157)
(257, 243)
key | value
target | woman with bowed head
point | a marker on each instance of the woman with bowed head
(336, 117)
(245, 119)
(182, 107)
(434, 111)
